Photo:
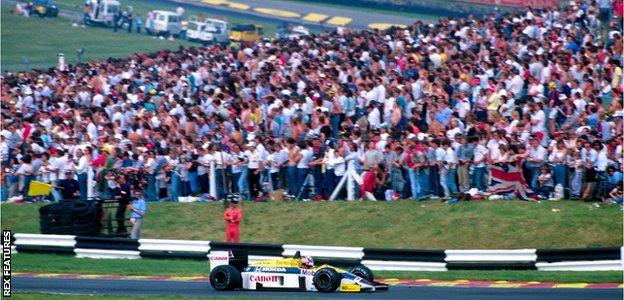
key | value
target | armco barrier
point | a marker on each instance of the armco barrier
(324, 251)
(46, 240)
(174, 245)
(254, 249)
(379, 265)
(43, 249)
(104, 253)
(472, 265)
(591, 259)
(106, 243)
(490, 255)
(153, 248)
(404, 255)
(598, 265)
(551, 255)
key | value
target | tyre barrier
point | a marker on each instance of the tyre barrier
(589, 259)
(70, 218)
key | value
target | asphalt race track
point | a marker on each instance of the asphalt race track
(199, 289)
(361, 19)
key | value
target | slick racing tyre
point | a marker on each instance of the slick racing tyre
(225, 278)
(326, 280)
(364, 272)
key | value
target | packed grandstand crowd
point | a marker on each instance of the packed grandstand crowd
(419, 112)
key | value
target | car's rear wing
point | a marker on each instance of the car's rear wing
(237, 259)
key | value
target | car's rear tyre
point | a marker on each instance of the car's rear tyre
(225, 278)
(326, 280)
(364, 272)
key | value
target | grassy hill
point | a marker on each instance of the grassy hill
(401, 224)
(40, 40)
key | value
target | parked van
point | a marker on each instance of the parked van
(166, 23)
(208, 32)
(101, 12)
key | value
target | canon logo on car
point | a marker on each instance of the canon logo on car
(218, 258)
(270, 269)
(263, 278)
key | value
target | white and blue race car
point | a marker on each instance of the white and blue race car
(230, 270)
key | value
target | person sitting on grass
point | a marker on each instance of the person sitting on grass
(613, 180)
(616, 196)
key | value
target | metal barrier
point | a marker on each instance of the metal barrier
(589, 259)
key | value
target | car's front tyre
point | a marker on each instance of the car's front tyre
(326, 280)
(364, 272)
(225, 278)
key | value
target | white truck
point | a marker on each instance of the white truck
(210, 31)
(101, 12)
(165, 23)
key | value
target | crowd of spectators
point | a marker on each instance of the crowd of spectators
(419, 112)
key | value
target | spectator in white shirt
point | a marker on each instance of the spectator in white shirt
(450, 169)
(374, 116)
(535, 159)
(601, 162)
(478, 163)
(81, 172)
(303, 168)
(538, 119)
(558, 158)
(203, 166)
(256, 164)
(340, 165)
(274, 161)
(440, 157)
(516, 84)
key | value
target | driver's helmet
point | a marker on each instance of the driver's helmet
(307, 262)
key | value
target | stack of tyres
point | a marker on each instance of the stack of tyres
(86, 218)
(54, 219)
(81, 218)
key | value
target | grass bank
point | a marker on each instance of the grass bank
(51, 263)
(400, 224)
(40, 40)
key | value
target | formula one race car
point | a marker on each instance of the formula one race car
(230, 270)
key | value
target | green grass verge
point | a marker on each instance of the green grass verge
(400, 224)
(51, 263)
(40, 40)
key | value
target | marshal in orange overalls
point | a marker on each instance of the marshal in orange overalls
(232, 216)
